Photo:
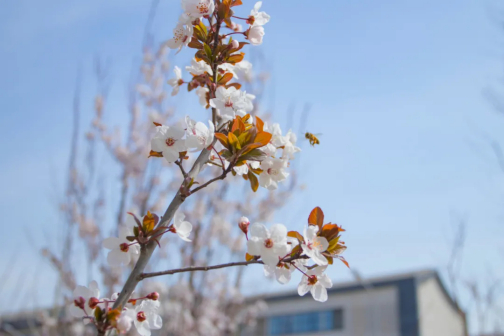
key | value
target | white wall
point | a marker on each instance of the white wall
(437, 317)
(372, 313)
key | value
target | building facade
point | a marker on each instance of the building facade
(412, 304)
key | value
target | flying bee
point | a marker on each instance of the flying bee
(313, 138)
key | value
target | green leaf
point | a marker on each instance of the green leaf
(208, 51)
(254, 183)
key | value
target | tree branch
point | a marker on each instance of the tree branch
(147, 250)
(198, 268)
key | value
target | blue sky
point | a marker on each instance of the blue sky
(395, 87)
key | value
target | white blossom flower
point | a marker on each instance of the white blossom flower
(244, 105)
(182, 35)
(81, 296)
(244, 69)
(198, 135)
(177, 81)
(283, 271)
(226, 100)
(255, 35)
(121, 251)
(168, 140)
(181, 227)
(273, 171)
(147, 318)
(198, 8)
(290, 147)
(202, 95)
(260, 18)
(228, 67)
(317, 283)
(313, 246)
(199, 68)
(236, 27)
(244, 169)
(125, 320)
(271, 245)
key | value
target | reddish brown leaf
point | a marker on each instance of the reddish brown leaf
(263, 138)
(235, 58)
(254, 183)
(237, 86)
(316, 217)
(249, 257)
(295, 234)
(223, 139)
(329, 231)
(344, 261)
(259, 124)
(224, 79)
(156, 123)
(155, 154)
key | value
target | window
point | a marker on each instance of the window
(306, 322)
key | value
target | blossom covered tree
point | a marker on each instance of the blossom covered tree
(235, 143)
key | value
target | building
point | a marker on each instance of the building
(411, 304)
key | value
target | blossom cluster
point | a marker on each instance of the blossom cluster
(140, 312)
(284, 252)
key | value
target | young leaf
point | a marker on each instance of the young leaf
(343, 260)
(155, 154)
(259, 124)
(249, 257)
(224, 79)
(295, 234)
(316, 217)
(263, 137)
(233, 141)
(223, 139)
(254, 183)
(235, 58)
(329, 231)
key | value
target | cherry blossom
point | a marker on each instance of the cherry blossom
(168, 140)
(271, 245)
(198, 8)
(226, 101)
(255, 35)
(243, 169)
(273, 171)
(125, 320)
(227, 67)
(290, 147)
(202, 93)
(199, 136)
(182, 35)
(180, 227)
(244, 69)
(177, 81)
(316, 283)
(199, 68)
(147, 318)
(121, 250)
(313, 246)
(258, 18)
(83, 296)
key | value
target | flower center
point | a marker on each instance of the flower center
(141, 316)
(202, 7)
(124, 247)
(272, 171)
(312, 280)
(170, 142)
(229, 103)
(268, 243)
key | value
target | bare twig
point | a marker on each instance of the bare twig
(198, 268)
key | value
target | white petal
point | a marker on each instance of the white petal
(112, 243)
(259, 231)
(254, 246)
(184, 228)
(319, 292)
(303, 286)
(283, 275)
(118, 258)
(155, 321)
(325, 281)
(278, 233)
(321, 243)
(269, 257)
(318, 258)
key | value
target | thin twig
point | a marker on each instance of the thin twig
(220, 177)
(198, 268)
(182, 170)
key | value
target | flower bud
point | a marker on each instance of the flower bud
(80, 302)
(243, 224)
(235, 44)
(93, 302)
(153, 296)
(141, 316)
